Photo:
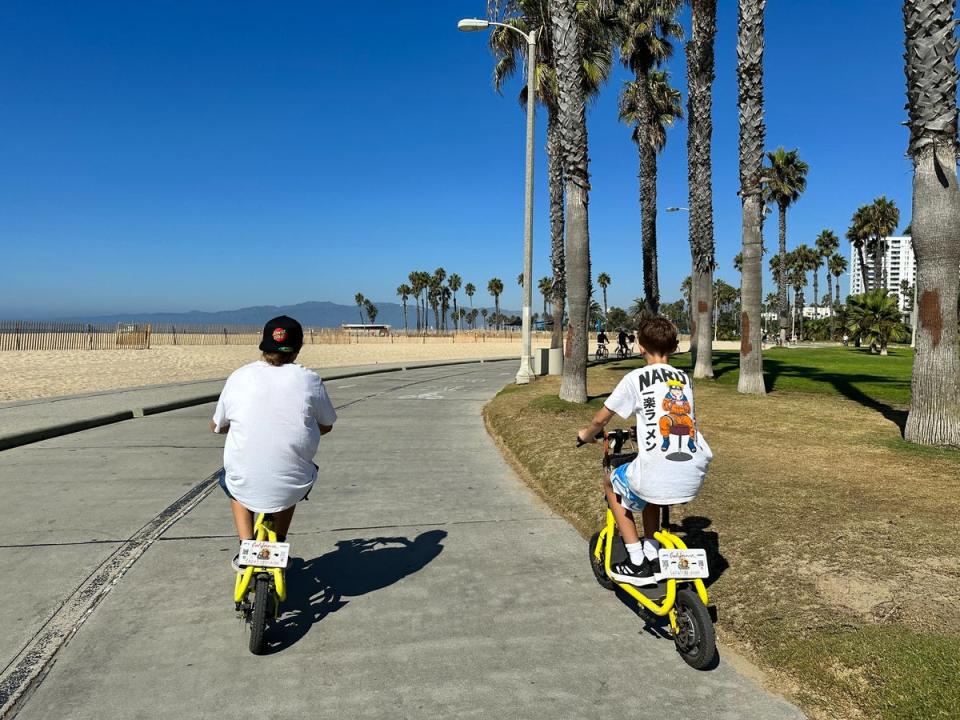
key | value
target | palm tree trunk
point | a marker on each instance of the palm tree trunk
(648, 203)
(555, 180)
(752, 139)
(604, 305)
(863, 268)
(700, 76)
(782, 289)
(573, 143)
(404, 317)
(816, 290)
(456, 315)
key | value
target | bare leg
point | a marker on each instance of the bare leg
(281, 522)
(243, 519)
(624, 518)
(651, 520)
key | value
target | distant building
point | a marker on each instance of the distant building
(899, 264)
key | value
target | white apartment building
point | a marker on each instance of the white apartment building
(899, 263)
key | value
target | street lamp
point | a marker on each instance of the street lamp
(525, 373)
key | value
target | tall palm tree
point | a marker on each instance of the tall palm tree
(404, 291)
(806, 260)
(545, 286)
(827, 243)
(603, 280)
(931, 70)
(700, 75)
(858, 234)
(882, 220)
(470, 289)
(359, 299)
(752, 140)
(649, 104)
(510, 49)
(784, 181)
(568, 43)
(495, 288)
(837, 265)
(454, 282)
(415, 289)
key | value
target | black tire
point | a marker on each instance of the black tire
(262, 602)
(696, 640)
(598, 571)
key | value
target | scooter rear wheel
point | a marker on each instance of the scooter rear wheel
(696, 639)
(598, 570)
(262, 600)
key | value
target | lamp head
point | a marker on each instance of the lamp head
(472, 25)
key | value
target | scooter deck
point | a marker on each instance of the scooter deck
(618, 554)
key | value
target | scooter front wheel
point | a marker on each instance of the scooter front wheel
(695, 638)
(598, 565)
(262, 600)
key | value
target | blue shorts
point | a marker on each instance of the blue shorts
(628, 498)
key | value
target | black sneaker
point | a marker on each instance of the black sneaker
(235, 564)
(639, 575)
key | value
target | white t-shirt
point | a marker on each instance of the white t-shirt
(673, 454)
(274, 414)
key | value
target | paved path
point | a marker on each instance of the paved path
(430, 582)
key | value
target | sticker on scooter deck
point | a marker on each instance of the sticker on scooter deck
(264, 554)
(684, 564)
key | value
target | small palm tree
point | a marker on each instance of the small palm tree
(404, 291)
(784, 181)
(484, 312)
(371, 311)
(603, 280)
(874, 318)
(359, 299)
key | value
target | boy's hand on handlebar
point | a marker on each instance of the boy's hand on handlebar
(585, 436)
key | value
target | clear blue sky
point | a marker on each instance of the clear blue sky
(212, 155)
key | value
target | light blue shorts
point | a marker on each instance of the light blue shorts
(628, 498)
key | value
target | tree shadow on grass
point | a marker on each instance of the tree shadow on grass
(841, 382)
(317, 587)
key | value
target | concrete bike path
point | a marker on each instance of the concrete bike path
(428, 582)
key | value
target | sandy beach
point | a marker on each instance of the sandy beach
(48, 373)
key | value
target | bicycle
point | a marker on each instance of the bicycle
(623, 352)
(689, 612)
(602, 352)
(260, 587)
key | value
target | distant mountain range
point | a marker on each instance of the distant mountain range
(310, 314)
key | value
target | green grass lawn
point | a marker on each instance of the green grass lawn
(871, 380)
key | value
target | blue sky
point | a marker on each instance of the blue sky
(169, 156)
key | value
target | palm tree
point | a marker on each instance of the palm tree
(495, 288)
(882, 219)
(545, 286)
(738, 262)
(700, 75)
(470, 289)
(454, 282)
(752, 140)
(836, 266)
(567, 39)
(784, 181)
(484, 312)
(827, 243)
(858, 234)
(875, 317)
(805, 258)
(648, 104)
(371, 311)
(404, 291)
(520, 280)
(359, 299)
(445, 295)
(931, 70)
(603, 280)
(510, 49)
(415, 290)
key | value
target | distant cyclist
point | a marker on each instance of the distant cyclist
(622, 342)
(602, 338)
(273, 412)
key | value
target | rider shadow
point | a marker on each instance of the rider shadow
(316, 587)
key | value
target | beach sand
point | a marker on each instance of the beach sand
(49, 373)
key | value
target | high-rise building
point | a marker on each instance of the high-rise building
(899, 265)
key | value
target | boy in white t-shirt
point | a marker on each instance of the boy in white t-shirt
(673, 455)
(273, 412)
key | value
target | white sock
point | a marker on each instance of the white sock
(636, 552)
(650, 549)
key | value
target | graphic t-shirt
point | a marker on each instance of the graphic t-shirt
(673, 454)
(274, 414)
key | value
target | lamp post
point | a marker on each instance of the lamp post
(525, 373)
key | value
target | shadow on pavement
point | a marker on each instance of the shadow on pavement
(317, 587)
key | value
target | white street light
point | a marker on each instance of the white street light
(525, 373)
(472, 25)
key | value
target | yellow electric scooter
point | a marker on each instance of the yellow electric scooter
(687, 607)
(260, 587)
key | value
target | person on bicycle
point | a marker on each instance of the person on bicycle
(602, 338)
(273, 412)
(661, 397)
(622, 342)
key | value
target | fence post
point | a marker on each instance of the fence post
(224, 336)
(89, 336)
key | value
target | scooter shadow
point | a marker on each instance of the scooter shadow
(317, 587)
